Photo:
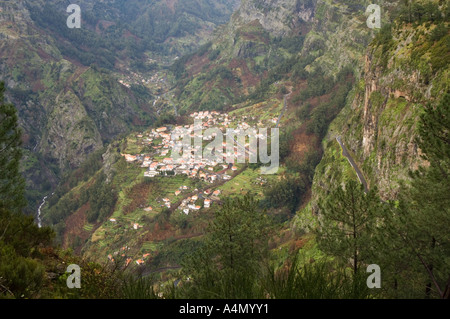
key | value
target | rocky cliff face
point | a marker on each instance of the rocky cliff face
(339, 35)
(275, 18)
(71, 134)
(403, 72)
(335, 32)
(384, 144)
(278, 17)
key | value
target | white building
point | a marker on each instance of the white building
(151, 173)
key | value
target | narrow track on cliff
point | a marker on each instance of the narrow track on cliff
(353, 164)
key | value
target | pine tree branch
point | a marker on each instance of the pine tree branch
(7, 146)
(6, 228)
(430, 273)
(446, 294)
(6, 289)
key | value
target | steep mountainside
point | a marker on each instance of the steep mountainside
(405, 70)
(266, 40)
(119, 34)
(67, 110)
(69, 104)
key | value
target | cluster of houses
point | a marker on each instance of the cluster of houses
(128, 260)
(160, 161)
(188, 163)
(190, 203)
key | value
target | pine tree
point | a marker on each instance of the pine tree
(424, 217)
(20, 273)
(12, 184)
(238, 232)
(346, 222)
(229, 263)
(415, 239)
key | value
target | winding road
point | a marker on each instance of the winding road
(353, 164)
(284, 108)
